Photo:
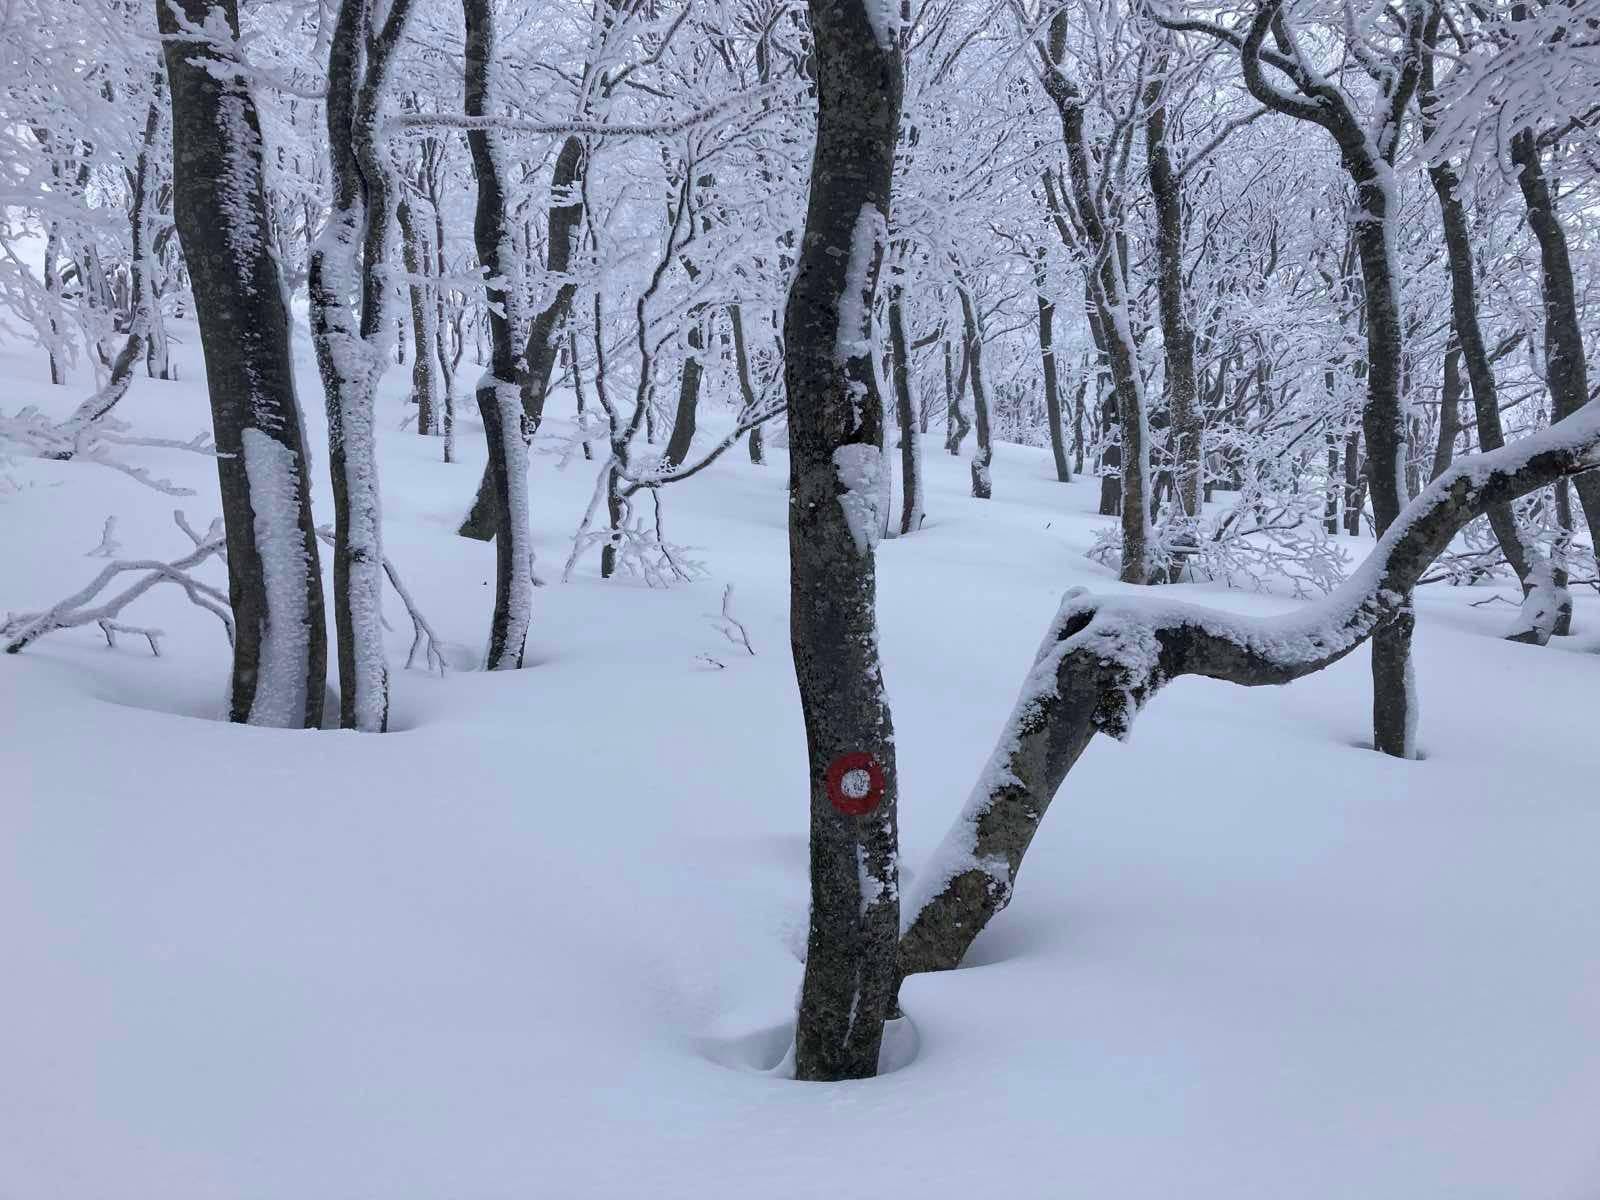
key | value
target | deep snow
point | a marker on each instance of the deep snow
(542, 940)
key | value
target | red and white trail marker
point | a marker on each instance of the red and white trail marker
(855, 783)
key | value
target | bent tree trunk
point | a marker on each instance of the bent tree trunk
(499, 397)
(280, 653)
(1104, 658)
(835, 428)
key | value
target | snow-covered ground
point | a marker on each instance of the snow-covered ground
(543, 940)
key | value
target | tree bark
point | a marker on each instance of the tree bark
(1566, 371)
(983, 451)
(419, 265)
(220, 205)
(1108, 296)
(1187, 425)
(747, 391)
(565, 217)
(500, 394)
(911, 505)
(1052, 380)
(835, 416)
(348, 260)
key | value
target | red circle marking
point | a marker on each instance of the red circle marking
(844, 793)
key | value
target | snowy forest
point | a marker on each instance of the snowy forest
(555, 556)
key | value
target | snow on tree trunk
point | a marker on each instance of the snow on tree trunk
(983, 451)
(564, 217)
(499, 394)
(1185, 441)
(348, 262)
(1108, 302)
(835, 415)
(220, 207)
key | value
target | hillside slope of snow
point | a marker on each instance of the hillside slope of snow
(543, 939)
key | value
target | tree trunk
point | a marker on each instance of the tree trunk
(911, 507)
(565, 216)
(220, 205)
(747, 391)
(1394, 706)
(418, 262)
(1108, 296)
(500, 396)
(1052, 381)
(835, 416)
(1566, 371)
(956, 424)
(1177, 338)
(983, 452)
(1449, 412)
(683, 421)
(349, 261)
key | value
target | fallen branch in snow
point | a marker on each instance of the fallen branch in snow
(727, 624)
(20, 630)
(1105, 657)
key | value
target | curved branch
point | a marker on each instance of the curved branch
(1104, 658)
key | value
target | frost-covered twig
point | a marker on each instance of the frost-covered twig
(89, 440)
(728, 625)
(423, 637)
(18, 631)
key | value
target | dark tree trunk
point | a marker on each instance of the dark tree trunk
(1108, 297)
(956, 423)
(274, 581)
(418, 262)
(1052, 380)
(500, 396)
(1566, 371)
(834, 436)
(911, 507)
(983, 452)
(684, 418)
(1330, 509)
(1355, 496)
(1187, 423)
(747, 391)
(565, 216)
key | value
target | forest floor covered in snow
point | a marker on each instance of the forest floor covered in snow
(543, 939)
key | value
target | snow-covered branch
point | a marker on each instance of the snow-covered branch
(1103, 658)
